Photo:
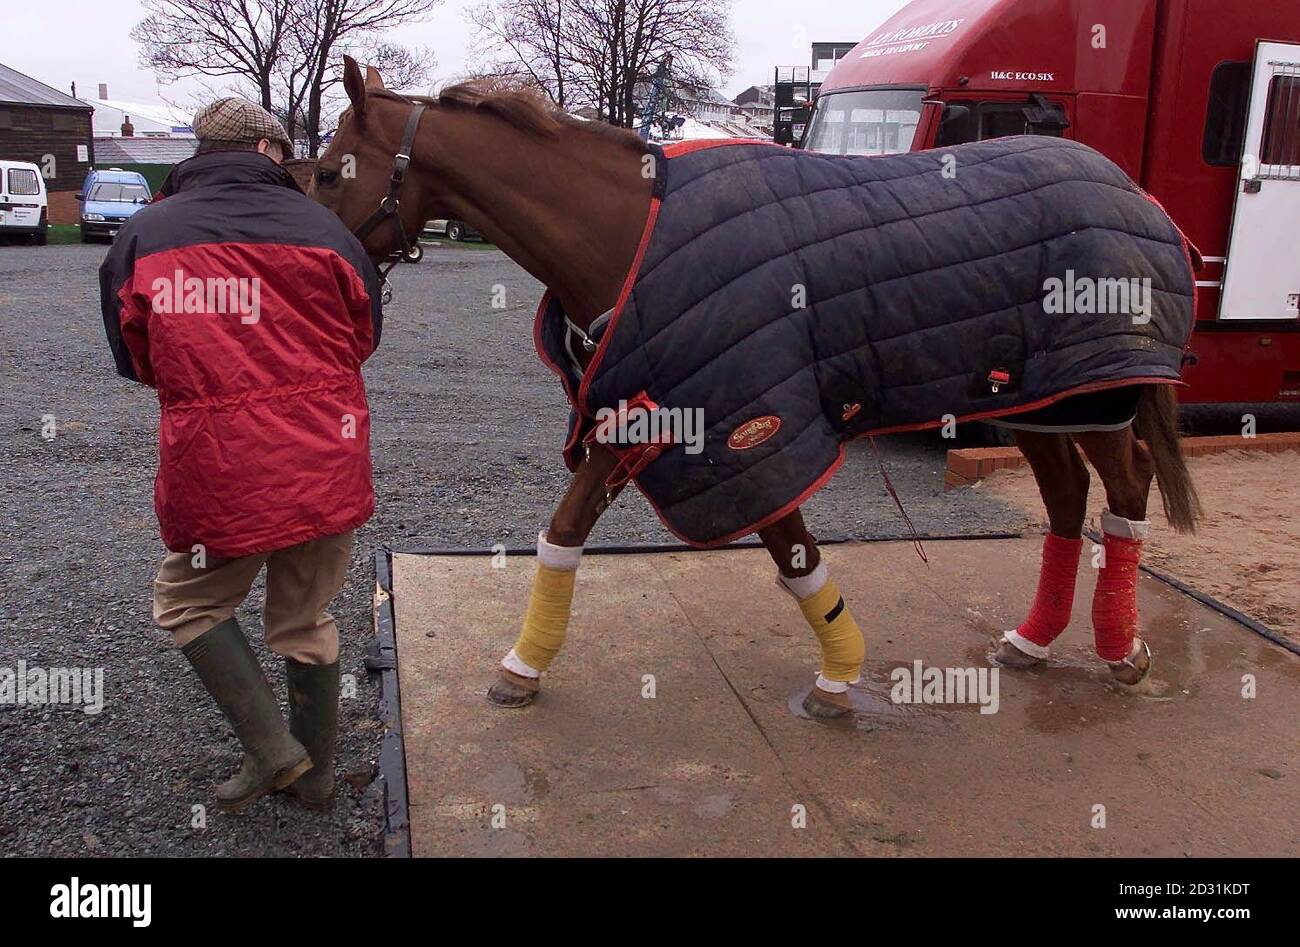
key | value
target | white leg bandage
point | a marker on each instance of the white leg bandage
(833, 687)
(512, 663)
(558, 557)
(1124, 529)
(806, 585)
(1022, 643)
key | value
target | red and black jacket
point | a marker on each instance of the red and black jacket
(250, 308)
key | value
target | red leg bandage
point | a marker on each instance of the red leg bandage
(1114, 607)
(1050, 612)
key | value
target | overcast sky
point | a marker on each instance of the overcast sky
(87, 41)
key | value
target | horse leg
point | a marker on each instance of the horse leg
(1063, 483)
(1126, 468)
(559, 553)
(804, 575)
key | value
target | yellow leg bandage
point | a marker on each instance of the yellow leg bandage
(843, 649)
(547, 617)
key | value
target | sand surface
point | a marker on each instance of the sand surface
(1246, 552)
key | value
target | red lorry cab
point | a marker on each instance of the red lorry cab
(1198, 100)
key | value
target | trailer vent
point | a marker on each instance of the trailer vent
(1290, 390)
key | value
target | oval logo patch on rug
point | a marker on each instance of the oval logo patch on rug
(752, 433)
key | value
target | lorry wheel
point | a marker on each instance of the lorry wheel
(42, 237)
(455, 231)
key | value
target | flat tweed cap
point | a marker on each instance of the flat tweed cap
(236, 119)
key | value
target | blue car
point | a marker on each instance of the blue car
(108, 199)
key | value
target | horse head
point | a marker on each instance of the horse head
(366, 174)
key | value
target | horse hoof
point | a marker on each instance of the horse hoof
(1008, 655)
(511, 690)
(821, 705)
(1136, 668)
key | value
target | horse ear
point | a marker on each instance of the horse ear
(354, 85)
(373, 79)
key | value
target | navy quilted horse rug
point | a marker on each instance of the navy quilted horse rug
(796, 300)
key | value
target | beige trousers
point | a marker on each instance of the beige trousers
(300, 582)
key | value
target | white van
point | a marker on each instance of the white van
(24, 208)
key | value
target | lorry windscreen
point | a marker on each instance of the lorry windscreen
(864, 122)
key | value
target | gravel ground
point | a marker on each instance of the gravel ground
(467, 428)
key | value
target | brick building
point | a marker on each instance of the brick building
(53, 131)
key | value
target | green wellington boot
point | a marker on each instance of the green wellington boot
(273, 759)
(314, 722)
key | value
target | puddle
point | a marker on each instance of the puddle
(1153, 688)
(874, 710)
(714, 806)
(508, 783)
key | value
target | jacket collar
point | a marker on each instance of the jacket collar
(225, 167)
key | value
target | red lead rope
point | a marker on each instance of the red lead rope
(889, 486)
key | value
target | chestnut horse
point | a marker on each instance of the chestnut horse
(567, 200)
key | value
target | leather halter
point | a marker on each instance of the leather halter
(388, 205)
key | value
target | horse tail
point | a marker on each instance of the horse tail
(1157, 424)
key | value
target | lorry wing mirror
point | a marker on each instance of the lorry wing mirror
(80, 196)
(954, 125)
(1044, 117)
(953, 113)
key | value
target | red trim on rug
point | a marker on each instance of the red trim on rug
(1195, 261)
(1031, 406)
(580, 402)
(1191, 253)
(572, 440)
(628, 282)
(821, 480)
(541, 349)
(679, 148)
(578, 399)
(768, 520)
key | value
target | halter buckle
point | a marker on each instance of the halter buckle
(389, 205)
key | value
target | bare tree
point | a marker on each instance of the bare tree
(289, 51)
(321, 31)
(242, 39)
(402, 68)
(525, 40)
(601, 53)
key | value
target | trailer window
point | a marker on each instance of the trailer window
(871, 122)
(1225, 116)
(1281, 146)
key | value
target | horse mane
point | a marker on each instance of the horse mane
(521, 108)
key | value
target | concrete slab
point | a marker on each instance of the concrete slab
(716, 762)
